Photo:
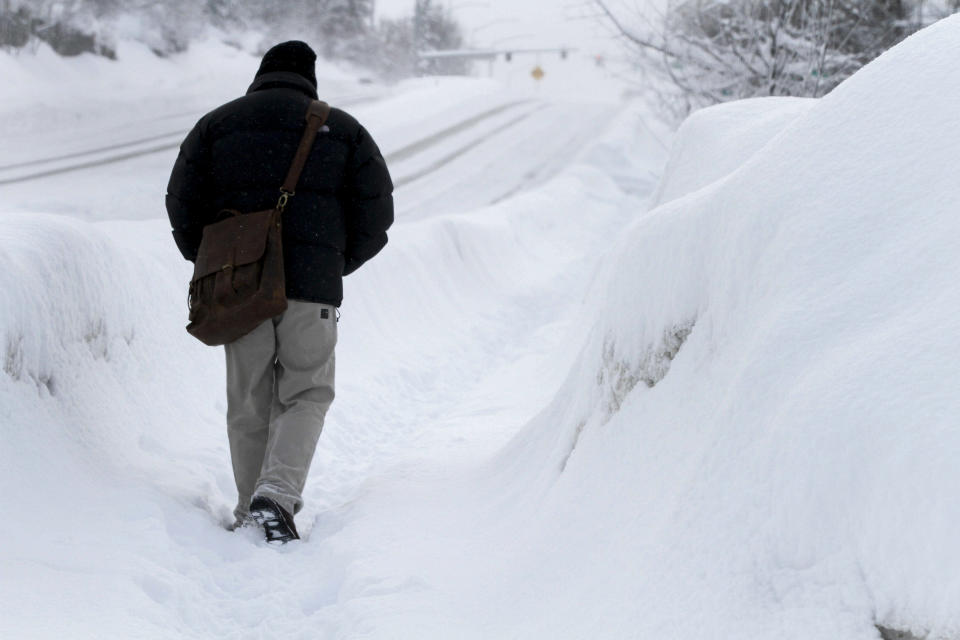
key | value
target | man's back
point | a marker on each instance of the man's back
(236, 158)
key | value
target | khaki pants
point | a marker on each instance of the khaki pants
(279, 387)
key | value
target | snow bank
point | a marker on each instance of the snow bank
(759, 438)
(714, 141)
(105, 406)
(90, 317)
(50, 89)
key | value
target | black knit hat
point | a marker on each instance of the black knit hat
(293, 56)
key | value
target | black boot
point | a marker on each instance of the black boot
(276, 521)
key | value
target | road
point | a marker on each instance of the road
(469, 158)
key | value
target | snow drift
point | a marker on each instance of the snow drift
(714, 141)
(759, 438)
(756, 438)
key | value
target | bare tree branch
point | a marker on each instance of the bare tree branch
(714, 50)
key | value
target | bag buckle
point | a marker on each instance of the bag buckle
(284, 197)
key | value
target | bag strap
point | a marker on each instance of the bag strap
(317, 115)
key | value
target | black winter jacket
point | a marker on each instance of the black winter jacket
(237, 156)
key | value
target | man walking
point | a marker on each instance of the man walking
(280, 376)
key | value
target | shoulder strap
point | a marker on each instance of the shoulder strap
(317, 115)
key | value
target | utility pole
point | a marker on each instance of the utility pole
(418, 23)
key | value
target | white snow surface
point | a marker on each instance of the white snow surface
(559, 415)
(714, 141)
(793, 473)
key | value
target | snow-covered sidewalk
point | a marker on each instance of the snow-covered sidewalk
(115, 453)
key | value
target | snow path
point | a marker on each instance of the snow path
(457, 335)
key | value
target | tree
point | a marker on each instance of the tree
(68, 27)
(436, 30)
(396, 55)
(712, 51)
(338, 29)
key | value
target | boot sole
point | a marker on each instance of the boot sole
(270, 520)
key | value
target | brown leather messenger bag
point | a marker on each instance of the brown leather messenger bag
(238, 279)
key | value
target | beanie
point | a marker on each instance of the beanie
(293, 56)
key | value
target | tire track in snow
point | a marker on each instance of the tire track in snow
(398, 155)
(177, 136)
(90, 164)
(423, 144)
(555, 163)
(90, 152)
(473, 144)
(538, 153)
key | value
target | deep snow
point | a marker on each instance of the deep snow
(115, 455)
(558, 416)
(793, 474)
(715, 141)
